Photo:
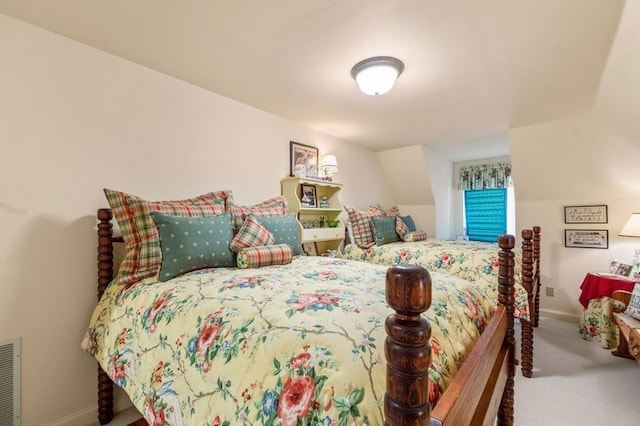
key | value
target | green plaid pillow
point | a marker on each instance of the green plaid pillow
(361, 224)
(191, 243)
(284, 230)
(276, 206)
(384, 230)
(251, 234)
(256, 257)
(130, 270)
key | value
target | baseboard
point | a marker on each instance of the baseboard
(561, 315)
(89, 415)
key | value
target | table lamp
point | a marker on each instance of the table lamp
(329, 166)
(632, 229)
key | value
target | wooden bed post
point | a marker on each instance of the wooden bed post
(105, 275)
(536, 257)
(529, 284)
(506, 298)
(407, 348)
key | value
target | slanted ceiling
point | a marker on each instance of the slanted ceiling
(474, 68)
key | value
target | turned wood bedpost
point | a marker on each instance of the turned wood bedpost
(529, 285)
(506, 298)
(105, 275)
(536, 257)
(407, 348)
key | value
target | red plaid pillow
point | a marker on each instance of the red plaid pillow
(251, 234)
(256, 257)
(276, 206)
(401, 227)
(414, 236)
(361, 223)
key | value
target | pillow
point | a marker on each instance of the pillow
(256, 257)
(130, 269)
(191, 243)
(384, 230)
(401, 227)
(410, 237)
(276, 206)
(251, 234)
(633, 308)
(379, 211)
(408, 220)
(361, 223)
(350, 237)
(284, 230)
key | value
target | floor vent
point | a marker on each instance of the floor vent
(10, 382)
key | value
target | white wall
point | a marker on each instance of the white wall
(75, 120)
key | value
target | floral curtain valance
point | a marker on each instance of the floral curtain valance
(485, 176)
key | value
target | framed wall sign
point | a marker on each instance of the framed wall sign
(585, 214)
(586, 238)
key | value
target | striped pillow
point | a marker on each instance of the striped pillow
(133, 267)
(414, 236)
(401, 227)
(256, 257)
(251, 234)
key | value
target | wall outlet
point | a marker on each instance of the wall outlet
(549, 291)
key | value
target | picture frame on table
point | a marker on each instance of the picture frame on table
(303, 160)
(586, 238)
(624, 269)
(586, 214)
(308, 196)
(310, 249)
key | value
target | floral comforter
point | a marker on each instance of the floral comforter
(282, 345)
(471, 260)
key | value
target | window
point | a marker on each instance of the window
(485, 213)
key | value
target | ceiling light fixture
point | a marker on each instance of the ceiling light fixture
(377, 75)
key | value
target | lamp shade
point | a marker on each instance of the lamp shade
(632, 227)
(329, 165)
(377, 75)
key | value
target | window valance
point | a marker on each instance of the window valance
(485, 176)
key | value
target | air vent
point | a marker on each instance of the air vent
(10, 382)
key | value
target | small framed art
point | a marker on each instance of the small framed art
(303, 160)
(624, 269)
(585, 214)
(310, 249)
(586, 238)
(308, 196)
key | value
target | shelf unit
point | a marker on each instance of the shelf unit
(325, 238)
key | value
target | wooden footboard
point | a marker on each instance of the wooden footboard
(483, 388)
(531, 283)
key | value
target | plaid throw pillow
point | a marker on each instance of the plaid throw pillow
(251, 234)
(361, 224)
(401, 227)
(256, 257)
(414, 236)
(130, 269)
(276, 206)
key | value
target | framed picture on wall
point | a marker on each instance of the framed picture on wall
(586, 238)
(303, 160)
(585, 214)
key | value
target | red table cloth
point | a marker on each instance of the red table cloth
(597, 285)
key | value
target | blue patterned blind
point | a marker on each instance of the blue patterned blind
(486, 213)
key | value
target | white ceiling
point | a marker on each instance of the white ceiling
(473, 68)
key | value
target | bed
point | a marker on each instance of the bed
(474, 261)
(439, 368)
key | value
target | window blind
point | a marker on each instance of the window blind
(486, 213)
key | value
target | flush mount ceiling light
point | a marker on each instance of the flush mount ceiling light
(377, 75)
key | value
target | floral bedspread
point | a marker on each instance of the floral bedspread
(281, 345)
(596, 321)
(471, 260)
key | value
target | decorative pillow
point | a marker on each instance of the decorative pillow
(408, 220)
(350, 238)
(284, 230)
(384, 230)
(251, 234)
(379, 211)
(633, 308)
(191, 243)
(361, 223)
(414, 236)
(256, 257)
(130, 269)
(276, 206)
(401, 227)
